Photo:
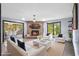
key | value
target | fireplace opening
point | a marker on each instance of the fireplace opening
(34, 32)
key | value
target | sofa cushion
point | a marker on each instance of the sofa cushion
(12, 39)
(21, 45)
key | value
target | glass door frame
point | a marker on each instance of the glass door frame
(53, 26)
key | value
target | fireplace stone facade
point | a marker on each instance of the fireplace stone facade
(34, 29)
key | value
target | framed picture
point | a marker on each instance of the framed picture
(75, 17)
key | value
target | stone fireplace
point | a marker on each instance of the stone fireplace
(34, 29)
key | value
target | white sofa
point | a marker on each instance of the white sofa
(60, 40)
(15, 50)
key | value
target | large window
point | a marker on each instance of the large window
(54, 28)
(12, 28)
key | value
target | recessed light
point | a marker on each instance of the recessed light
(23, 18)
(43, 19)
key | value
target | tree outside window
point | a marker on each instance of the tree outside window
(54, 28)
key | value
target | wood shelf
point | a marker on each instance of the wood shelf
(69, 30)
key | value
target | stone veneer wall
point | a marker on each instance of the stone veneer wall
(29, 29)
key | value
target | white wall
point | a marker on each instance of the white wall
(45, 28)
(25, 28)
(64, 26)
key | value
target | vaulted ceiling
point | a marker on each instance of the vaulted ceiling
(43, 11)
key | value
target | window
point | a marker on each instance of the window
(54, 28)
(12, 28)
(50, 28)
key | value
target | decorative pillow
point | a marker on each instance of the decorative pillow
(21, 45)
(12, 38)
(60, 35)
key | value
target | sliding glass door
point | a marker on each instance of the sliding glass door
(50, 28)
(57, 28)
(54, 28)
(12, 28)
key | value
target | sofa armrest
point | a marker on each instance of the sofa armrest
(14, 49)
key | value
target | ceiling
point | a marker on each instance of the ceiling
(43, 11)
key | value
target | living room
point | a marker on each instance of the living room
(45, 29)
